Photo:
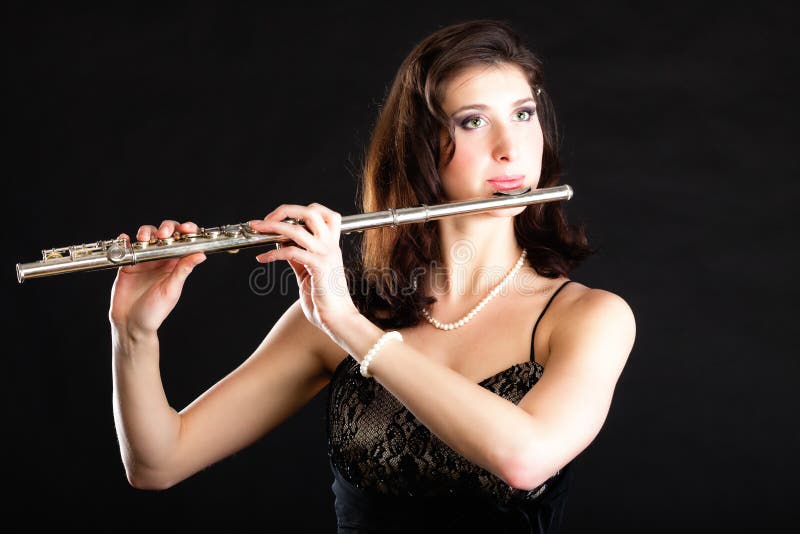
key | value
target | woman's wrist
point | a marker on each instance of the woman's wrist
(340, 320)
(387, 336)
(353, 332)
(130, 339)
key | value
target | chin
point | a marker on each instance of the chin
(507, 212)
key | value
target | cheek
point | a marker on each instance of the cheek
(461, 159)
(539, 141)
(535, 141)
(456, 175)
(466, 155)
(535, 138)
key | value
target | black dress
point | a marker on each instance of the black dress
(391, 474)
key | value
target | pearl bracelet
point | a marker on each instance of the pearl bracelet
(374, 350)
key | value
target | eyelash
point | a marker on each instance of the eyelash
(465, 123)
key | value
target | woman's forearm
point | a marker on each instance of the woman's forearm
(148, 428)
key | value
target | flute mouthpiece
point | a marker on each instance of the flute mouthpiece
(513, 192)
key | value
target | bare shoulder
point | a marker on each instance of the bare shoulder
(594, 318)
(597, 302)
(577, 300)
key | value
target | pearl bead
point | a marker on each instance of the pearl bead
(493, 293)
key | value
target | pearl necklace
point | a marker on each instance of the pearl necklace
(464, 320)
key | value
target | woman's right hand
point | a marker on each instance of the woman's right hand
(143, 295)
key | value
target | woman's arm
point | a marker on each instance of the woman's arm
(161, 446)
(527, 443)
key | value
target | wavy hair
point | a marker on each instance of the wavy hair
(401, 170)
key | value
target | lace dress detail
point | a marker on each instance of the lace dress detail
(378, 445)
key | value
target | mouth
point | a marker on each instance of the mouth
(507, 183)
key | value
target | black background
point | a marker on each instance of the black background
(679, 139)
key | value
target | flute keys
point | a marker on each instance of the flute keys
(232, 230)
(192, 237)
(116, 252)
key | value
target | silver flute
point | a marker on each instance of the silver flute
(231, 238)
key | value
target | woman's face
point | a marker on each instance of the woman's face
(498, 138)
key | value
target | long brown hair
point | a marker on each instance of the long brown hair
(401, 170)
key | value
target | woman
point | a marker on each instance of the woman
(433, 352)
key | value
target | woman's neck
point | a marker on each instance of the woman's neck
(477, 253)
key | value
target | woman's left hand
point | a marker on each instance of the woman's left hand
(315, 257)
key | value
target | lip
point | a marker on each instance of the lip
(508, 182)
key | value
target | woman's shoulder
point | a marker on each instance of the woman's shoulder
(585, 311)
(593, 297)
(577, 300)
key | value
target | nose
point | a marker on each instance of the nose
(505, 145)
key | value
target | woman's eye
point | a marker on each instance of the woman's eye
(525, 114)
(473, 122)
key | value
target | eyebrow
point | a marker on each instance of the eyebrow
(482, 107)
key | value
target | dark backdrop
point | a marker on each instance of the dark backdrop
(678, 140)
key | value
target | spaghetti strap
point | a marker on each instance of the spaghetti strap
(533, 336)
